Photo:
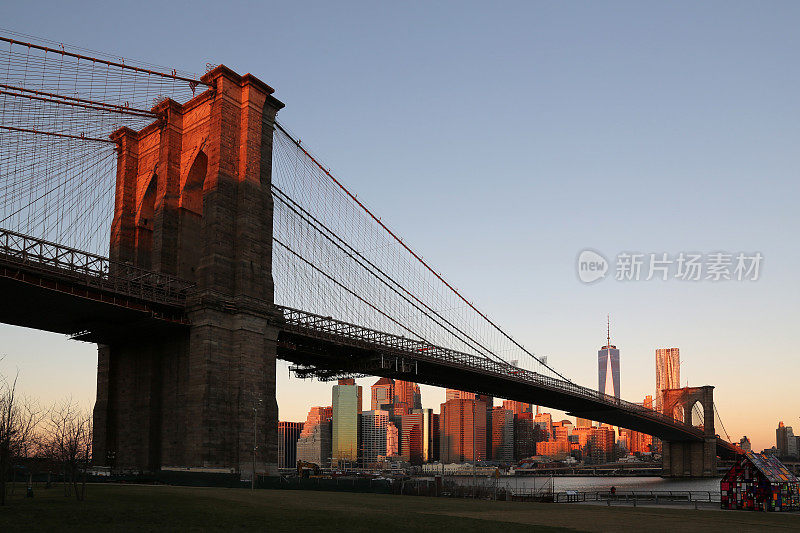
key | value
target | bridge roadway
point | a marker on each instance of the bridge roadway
(322, 345)
(54, 288)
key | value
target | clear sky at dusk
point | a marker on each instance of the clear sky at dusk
(500, 139)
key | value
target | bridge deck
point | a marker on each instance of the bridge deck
(63, 290)
(325, 346)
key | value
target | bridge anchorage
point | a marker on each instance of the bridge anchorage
(215, 269)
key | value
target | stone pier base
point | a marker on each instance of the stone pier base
(689, 459)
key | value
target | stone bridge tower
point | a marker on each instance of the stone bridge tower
(690, 458)
(193, 199)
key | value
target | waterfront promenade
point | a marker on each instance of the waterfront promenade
(166, 508)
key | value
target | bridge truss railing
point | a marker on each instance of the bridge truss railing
(328, 328)
(90, 269)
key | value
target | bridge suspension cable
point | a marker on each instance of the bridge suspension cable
(195, 82)
(58, 106)
(414, 290)
(716, 412)
(379, 274)
(21, 92)
(353, 293)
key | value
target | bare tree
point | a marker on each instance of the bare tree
(19, 418)
(68, 437)
(83, 457)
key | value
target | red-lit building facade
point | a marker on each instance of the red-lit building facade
(516, 407)
(544, 422)
(400, 398)
(392, 440)
(418, 436)
(455, 394)
(463, 431)
(407, 395)
(383, 395)
(314, 444)
(601, 446)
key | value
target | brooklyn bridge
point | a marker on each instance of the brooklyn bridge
(173, 221)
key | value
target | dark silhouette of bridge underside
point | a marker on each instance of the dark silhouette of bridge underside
(55, 293)
(62, 290)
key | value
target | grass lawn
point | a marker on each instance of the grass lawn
(162, 508)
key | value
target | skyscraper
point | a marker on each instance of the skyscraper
(744, 444)
(344, 432)
(639, 442)
(502, 435)
(601, 445)
(392, 440)
(636, 442)
(463, 431)
(399, 398)
(437, 441)
(608, 367)
(488, 401)
(526, 435)
(373, 435)
(417, 436)
(545, 423)
(455, 394)
(786, 442)
(407, 394)
(562, 430)
(648, 402)
(351, 381)
(383, 394)
(668, 373)
(288, 435)
(314, 444)
(516, 407)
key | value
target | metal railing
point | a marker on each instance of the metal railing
(328, 328)
(76, 266)
(634, 496)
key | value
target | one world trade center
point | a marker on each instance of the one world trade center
(608, 367)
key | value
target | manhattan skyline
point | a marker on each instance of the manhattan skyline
(494, 147)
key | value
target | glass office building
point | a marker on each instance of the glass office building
(344, 434)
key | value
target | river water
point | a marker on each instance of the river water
(595, 483)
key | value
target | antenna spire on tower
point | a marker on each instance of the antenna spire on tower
(608, 329)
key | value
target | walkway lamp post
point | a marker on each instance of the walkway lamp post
(256, 402)
(474, 464)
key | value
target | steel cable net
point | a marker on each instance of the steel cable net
(58, 107)
(331, 257)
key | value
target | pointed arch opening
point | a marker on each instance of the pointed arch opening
(698, 414)
(147, 207)
(192, 193)
(192, 205)
(145, 224)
